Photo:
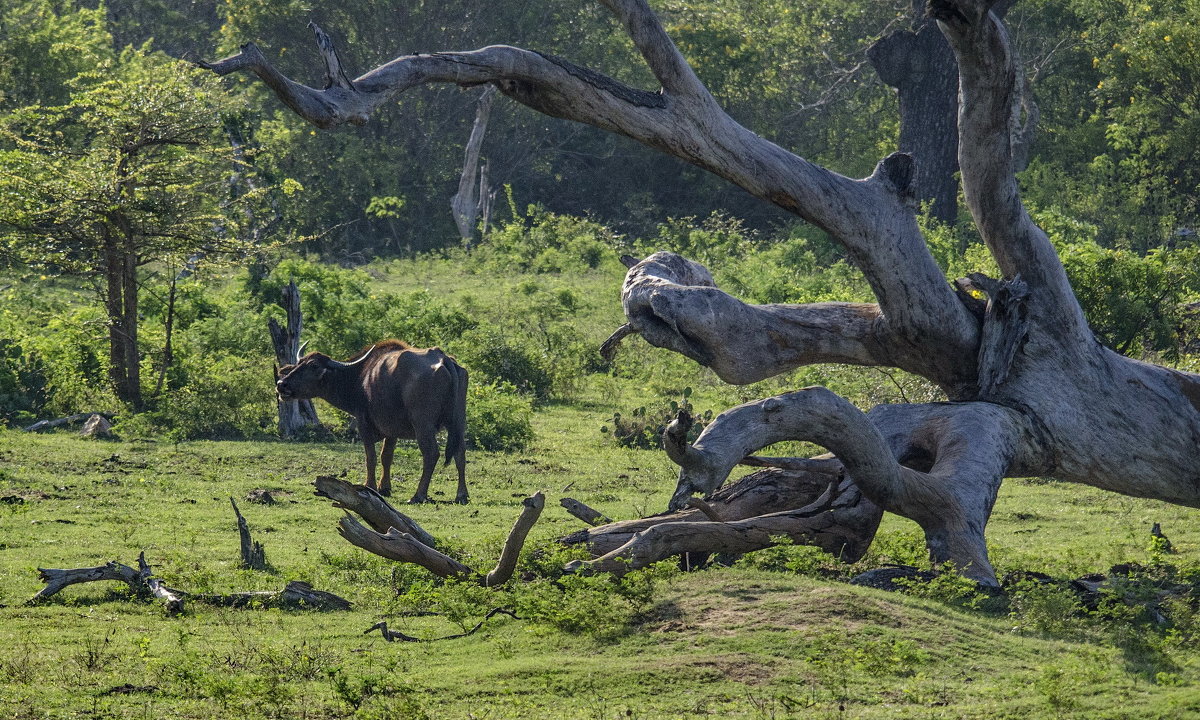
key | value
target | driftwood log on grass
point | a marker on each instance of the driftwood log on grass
(587, 514)
(785, 498)
(295, 594)
(411, 547)
(141, 581)
(371, 506)
(840, 520)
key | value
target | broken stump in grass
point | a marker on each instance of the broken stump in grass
(254, 557)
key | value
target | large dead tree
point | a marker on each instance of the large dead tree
(1031, 390)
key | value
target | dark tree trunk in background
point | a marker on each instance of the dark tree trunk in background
(295, 416)
(921, 66)
(121, 306)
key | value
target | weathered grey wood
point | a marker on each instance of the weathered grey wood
(172, 598)
(467, 204)
(295, 595)
(254, 557)
(589, 515)
(371, 506)
(43, 425)
(531, 510)
(760, 493)
(141, 580)
(1031, 390)
(57, 579)
(403, 547)
(838, 522)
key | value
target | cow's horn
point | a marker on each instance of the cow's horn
(300, 350)
(675, 440)
(337, 364)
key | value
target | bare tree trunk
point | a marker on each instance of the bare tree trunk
(168, 354)
(472, 188)
(1031, 390)
(921, 66)
(295, 416)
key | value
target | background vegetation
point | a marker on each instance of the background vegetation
(360, 220)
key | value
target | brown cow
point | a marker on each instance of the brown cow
(393, 391)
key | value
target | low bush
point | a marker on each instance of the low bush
(643, 427)
(498, 419)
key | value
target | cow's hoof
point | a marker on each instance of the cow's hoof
(385, 491)
(462, 500)
(419, 500)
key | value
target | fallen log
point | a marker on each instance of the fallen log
(589, 515)
(172, 598)
(840, 521)
(295, 594)
(43, 425)
(788, 484)
(371, 506)
(396, 544)
(141, 581)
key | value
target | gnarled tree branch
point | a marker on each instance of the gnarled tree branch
(870, 217)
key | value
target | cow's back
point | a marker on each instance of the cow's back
(409, 387)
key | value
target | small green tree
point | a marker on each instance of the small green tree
(131, 170)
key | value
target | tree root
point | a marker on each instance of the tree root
(395, 635)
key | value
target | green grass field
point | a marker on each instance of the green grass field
(779, 634)
(727, 642)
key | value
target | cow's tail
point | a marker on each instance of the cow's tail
(456, 425)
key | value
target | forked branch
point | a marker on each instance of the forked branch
(870, 217)
(673, 303)
(405, 547)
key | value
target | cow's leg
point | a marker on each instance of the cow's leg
(427, 442)
(385, 458)
(460, 462)
(368, 438)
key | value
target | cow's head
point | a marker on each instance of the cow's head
(308, 376)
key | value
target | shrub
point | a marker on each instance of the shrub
(545, 242)
(1045, 607)
(227, 397)
(498, 419)
(643, 428)
(23, 391)
(501, 359)
(785, 556)
(716, 239)
(602, 606)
